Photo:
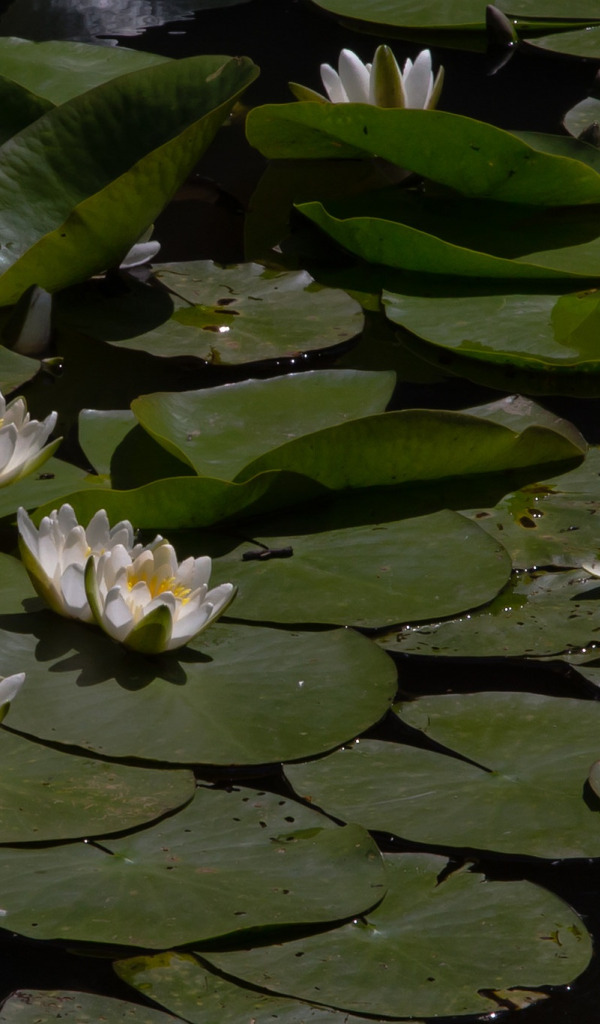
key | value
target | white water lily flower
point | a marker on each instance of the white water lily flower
(381, 83)
(150, 602)
(9, 688)
(56, 555)
(22, 440)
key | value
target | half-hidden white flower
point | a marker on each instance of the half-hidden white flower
(56, 554)
(29, 328)
(22, 440)
(9, 688)
(142, 252)
(150, 602)
(381, 83)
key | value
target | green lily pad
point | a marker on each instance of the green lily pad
(413, 445)
(431, 948)
(55, 237)
(180, 983)
(550, 333)
(474, 158)
(580, 42)
(57, 71)
(100, 432)
(15, 369)
(369, 576)
(48, 795)
(460, 14)
(227, 863)
(222, 315)
(538, 615)
(218, 431)
(28, 1006)
(237, 695)
(464, 238)
(523, 790)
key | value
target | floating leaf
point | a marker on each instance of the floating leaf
(179, 982)
(226, 863)
(540, 331)
(474, 158)
(579, 42)
(223, 315)
(218, 431)
(464, 14)
(539, 615)
(431, 948)
(49, 795)
(452, 236)
(106, 162)
(522, 791)
(369, 576)
(27, 1006)
(56, 71)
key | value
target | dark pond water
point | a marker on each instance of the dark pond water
(288, 39)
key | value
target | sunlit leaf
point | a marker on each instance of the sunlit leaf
(435, 948)
(49, 795)
(523, 789)
(213, 869)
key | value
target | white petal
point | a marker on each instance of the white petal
(73, 590)
(10, 686)
(418, 81)
(8, 443)
(97, 532)
(16, 412)
(140, 253)
(332, 84)
(117, 619)
(34, 336)
(354, 77)
(65, 518)
(27, 531)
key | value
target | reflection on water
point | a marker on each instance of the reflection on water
(85, 21)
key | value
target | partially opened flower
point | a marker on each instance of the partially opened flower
(9, 688)
(381, 83)
(142, 252)
(22, 440)
(151, 602)
(56, 554)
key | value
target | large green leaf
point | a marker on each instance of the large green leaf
(218, 431)
(463, 238)
(28, 1006)
(56, 71)
(413, 445)
(238, 695)
(544, 331)
(67, 178)
(49, 795)
(432, 948)
(369, 576)
(523, 789)
(182, 984)
(474, 158)
(459, 14)
(228, 862)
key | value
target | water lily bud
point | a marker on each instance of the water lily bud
(29, 328)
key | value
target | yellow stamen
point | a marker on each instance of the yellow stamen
(158, 587)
